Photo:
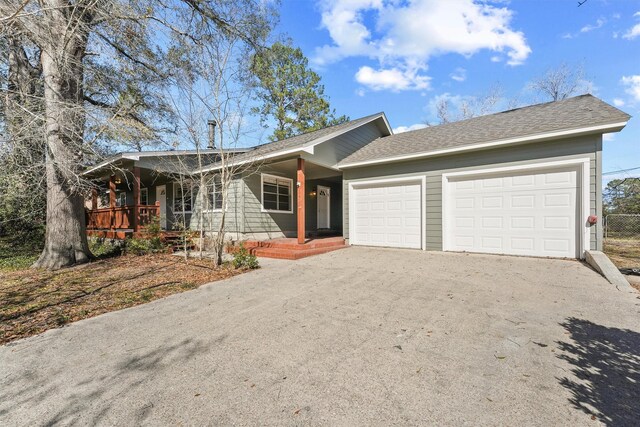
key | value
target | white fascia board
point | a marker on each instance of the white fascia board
(386, 123)
(315, 142)
(297, 150)
(103, 164)
(615, 127)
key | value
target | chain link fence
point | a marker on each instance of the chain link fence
(622, 239)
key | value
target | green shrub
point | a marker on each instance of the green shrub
(143, 246)
(153, 229)
(150, 242)
(103, 248)
(243, 259)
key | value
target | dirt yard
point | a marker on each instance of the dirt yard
(625, 253)
(32, 301)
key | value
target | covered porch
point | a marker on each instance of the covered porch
(293, 209)
(293, 198)
(128, 208)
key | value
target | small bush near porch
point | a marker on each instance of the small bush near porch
(32, 301)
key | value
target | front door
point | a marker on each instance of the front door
(324, 204)
(161, 196)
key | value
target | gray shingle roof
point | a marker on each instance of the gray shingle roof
(298, 141)
(573, 113)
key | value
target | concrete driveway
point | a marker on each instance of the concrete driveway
(357, 336)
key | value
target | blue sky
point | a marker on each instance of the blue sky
(400, 57)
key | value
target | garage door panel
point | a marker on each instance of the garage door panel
(521, 214)
(388, 215)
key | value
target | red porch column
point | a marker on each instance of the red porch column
(136, 198)
(301, 211)
(112, 200)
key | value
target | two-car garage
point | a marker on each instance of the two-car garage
(536, 210)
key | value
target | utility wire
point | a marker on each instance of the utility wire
(622, 170)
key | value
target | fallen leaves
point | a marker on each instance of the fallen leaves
(32, 301)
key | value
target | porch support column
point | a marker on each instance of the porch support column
(136, 198)
(94, 199)
(112, 201)
(301, 202)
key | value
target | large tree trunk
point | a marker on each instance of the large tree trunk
(62, 66)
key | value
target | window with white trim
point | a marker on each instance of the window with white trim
(214, 194)
(276, 194)
(182, 197)
(144, 196)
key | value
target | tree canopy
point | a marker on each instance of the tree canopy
(290, 93)
(622, 196)
(83, 76)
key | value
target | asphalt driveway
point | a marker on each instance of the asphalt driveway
(357, 336)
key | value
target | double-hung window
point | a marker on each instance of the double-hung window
(214, 194)
(144, 196)
(276, 194)
(182, 197)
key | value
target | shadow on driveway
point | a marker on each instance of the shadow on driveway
(95, 394)
(606, 363)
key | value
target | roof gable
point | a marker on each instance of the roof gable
(304, 141)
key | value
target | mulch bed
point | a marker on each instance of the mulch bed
(32, 301)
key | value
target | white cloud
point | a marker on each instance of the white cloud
(618, 102)
(608, 136)
(416, 126)
(599, 23)
(403, 36)
(633, 31)
(633, 85)
(392, 79)
(459, 74)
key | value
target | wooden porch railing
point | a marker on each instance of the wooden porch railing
(121, 217)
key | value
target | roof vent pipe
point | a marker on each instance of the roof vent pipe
(211, 124)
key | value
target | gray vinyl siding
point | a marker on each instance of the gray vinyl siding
(232, 215)
(433, 168)
(256, 221)
(329, 153)
(596, 177)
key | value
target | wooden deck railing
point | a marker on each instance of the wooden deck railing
(122, 217)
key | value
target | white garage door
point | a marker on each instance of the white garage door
(531, 213)
(387, 215)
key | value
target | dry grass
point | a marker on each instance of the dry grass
(32, 301)
(625, 253)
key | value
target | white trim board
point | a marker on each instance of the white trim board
(582, 166)
(615, 127)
